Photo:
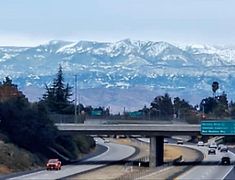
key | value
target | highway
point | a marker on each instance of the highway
(211, 168)
(115, 152)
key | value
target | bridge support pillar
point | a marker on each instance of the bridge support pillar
(156, 151)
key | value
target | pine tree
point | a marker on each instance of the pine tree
(57, 97)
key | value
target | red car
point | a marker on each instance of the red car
(53, 164)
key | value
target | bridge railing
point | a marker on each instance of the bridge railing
(70, 118)
(66, 118)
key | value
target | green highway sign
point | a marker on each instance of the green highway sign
(225, 127)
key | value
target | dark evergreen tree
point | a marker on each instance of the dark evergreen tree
(216, 106)
(221, 109)
(182, 108)
(208, 105)
(57, 97)
(162, 107)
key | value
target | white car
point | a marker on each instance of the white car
(106, 141)
(219, 146)
(180, 142)
(200, 143)
(166, 140)
(213, 145)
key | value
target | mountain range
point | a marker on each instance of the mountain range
(134, 71)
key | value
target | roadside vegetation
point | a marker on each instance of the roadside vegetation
(27, 126)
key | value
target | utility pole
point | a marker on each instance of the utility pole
(75, 101)
(203, 109)
(79, 115)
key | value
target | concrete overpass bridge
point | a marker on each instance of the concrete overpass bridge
(156, 132)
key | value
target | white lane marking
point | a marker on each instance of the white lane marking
(23, 176)
(160, 171)
(231, 166)
(100, 154)
(228, 172)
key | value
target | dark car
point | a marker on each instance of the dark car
(212, 151)
(53, 164)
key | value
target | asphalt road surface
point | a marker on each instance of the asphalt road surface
(231, 174)
(211, 167)
(115, 152)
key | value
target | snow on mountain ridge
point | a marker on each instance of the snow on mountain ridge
(155, 66)
(120, 58)
(227, 54)
(148, 50)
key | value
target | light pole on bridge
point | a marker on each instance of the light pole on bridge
(75, 100)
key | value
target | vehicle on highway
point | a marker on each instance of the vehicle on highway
(213, 145)
(53, 164)
(200, 143)
(219, 146)
(106, 141)
(225, 160)
(211, 151)
(224, 149)
(180, 142)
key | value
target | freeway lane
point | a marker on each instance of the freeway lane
(115, 152)
(207, 171)
(231, 174)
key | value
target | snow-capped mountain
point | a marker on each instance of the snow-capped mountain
(124, 64)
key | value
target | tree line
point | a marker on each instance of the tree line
(28, 124)
(163, 107)
(212, 107)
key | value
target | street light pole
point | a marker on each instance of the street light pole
(203, 109)
(76, 99)
(79, 110)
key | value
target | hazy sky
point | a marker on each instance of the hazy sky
(32, 22)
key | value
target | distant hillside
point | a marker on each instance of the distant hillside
(154, 66)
